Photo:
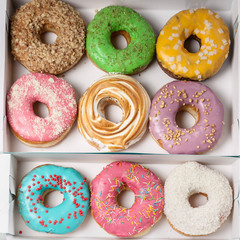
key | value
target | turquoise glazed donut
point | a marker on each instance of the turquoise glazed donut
(63, 218)
(138, 33)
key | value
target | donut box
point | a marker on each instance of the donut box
(16, 166)
(153, 78)
(18, 159)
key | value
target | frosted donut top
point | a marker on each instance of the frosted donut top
(57, 94)
(197, 139)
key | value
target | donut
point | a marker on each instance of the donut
(56, 94)
(118, 20)
(208, 29)
(65, 217)
(191, 178)
(145, 211)
(201, 103)
(130, 96)
(37, 17)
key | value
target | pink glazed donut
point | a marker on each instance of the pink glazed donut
(56, 94)
(201, 103)
(146, 210)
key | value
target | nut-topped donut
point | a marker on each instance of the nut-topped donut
(208, 29)
(115, 20)
(39, 16)
(201, 103)
(130, 96)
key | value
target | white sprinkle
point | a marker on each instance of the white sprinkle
(208, 24)
(185, 69)
(216, 46)
(196, 31)
(170, 38)
(209, 61)
(203, 58)
(191, 11)
(175, 35)
(206, 39)
(186, 31)
(175, 28)
(162, 32)
(202, 32)
(179, 58)
(179, 42)
(208, 47)
(203, 46)
(205, 51)
(197, 72)
(171, 59)
(217, 16)
(175, 46)
(222, 47)
(224, 41)
(214, 51)
(199, 76)
(173, 66)
(200, 54)
(210, 12)
(51, 80)
(220, 31)
(211, 41)
(198, 61)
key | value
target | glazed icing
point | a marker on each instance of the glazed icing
(149, 199)
(57, 94)
(215, 41)
(63, 218)
(165, 105)
(191, 178)
(130, 96)
(135, 56)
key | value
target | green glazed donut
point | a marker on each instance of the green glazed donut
(138, 33)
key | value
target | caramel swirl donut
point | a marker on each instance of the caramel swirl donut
(39, 16)
(208, 29)
(130, 96)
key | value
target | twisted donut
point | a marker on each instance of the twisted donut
(130, 96)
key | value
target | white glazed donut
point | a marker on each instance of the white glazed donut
(191, 178)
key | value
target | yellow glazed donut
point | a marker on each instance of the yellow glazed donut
(208, 29)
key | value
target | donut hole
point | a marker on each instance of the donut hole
(192, 44)
(120, 39)
(187, 117)
(126, 198)
(48, 37)
(110, 109)
(40, 109)
(198, 199)
(52, 198)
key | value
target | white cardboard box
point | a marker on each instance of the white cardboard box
(13, 168)
(225, 83)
